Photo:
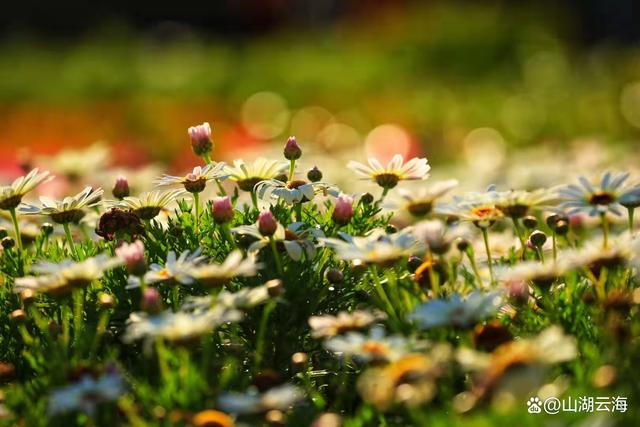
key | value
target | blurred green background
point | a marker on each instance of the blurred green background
(417, 77)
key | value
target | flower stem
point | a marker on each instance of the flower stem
(435, 281)
(385, 190)
(292, 168)
(276, 256)
(298, 208)
(72, 246)
(16, 227)
(631, 211)
(555, 246)
(196, 203)
(485, 237)
(474, 266)
(227, 235)
(605, 230)
(382, 294)
(518, 231)
(262, 328)
(254, 199)
(207, 158)
(220, 188)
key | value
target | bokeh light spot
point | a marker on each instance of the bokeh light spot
(385, 141)
(484, 149)
(265, 115)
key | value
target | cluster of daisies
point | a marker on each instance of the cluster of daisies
(252, 293)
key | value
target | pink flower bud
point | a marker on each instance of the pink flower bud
(133, 256)
(222, 210)
(292, 150)
(343, 210)
(201, 139)
(151, 301)
(120, 188)
(267, 224)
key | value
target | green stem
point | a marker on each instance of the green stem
(276, 256)
(224, 228)
(262, 329)
(175, 292)
(298, 208)
(385, 190)
(292, 168)
(516, 228)
(555, 247)
(435, 281)
(485, 237)
(16, 227)
(383, 296)
(254, 199)
(196, 203)
(72, 246)
(474, 266)
(207, 158)
(220, 188)
(605, 230)
(631, 211)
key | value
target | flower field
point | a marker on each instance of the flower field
(266, 293)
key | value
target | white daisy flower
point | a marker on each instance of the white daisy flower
(61, 278)
(597, 198)
(327, 325)
(87, 393)
(457, 311)
(376, 248)
(293, 192)
(281, 398)
(297, 239)
(395, 171)
(419, 202)
(181, 327)
(175, 270)
(69, 209)
(11, 195)
(247, 175)
(148, 205)
(196, 180)
(216, 275)
(373, 346)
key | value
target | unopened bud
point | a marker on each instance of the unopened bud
(275, 287)
(3, 233)
(132, 254)
(299, 360)
(343, 210)
(47, 228)
(267, 224)
(8, 242)
(275, 417)
(538, 238)
(530, 222)
(18, 315)
(27, 296)
(462, 244)
(106, 301)
(366, 198)
(292, 150)
(562, 227)
(200, 136)
(151, 301)
(314, 174)
(121, 188)
(413, 263)
(334, 276)
(551, 220)
(222, 210)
